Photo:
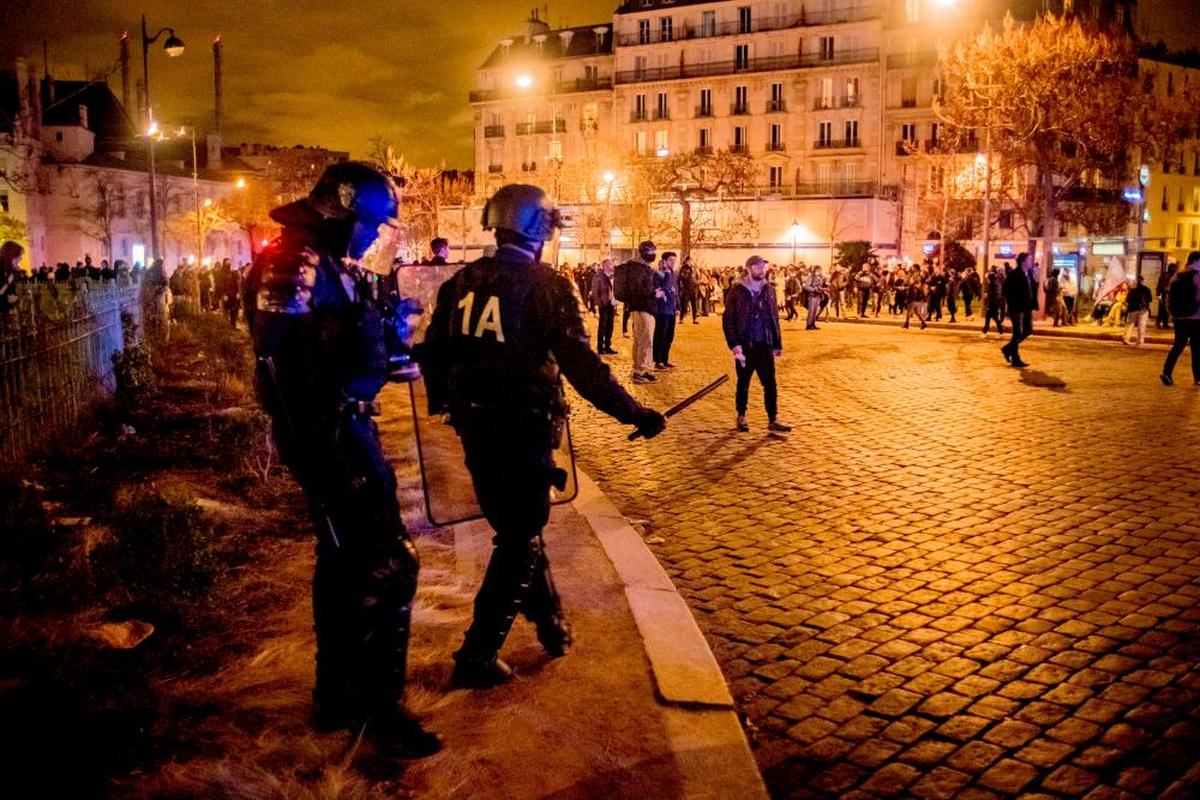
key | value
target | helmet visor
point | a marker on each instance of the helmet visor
(374, 246)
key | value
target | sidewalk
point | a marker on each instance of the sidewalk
(639, 707)
(1041, 328)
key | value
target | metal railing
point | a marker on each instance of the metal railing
(56, 350)
(495, 169)
(763, 64)
(835, 144)
(845, 101)
(492, 131)
(776, 106)
(833, 16)
(776, 147)
(597, 84)
(901, 60)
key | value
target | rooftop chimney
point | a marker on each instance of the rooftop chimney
(217, 88)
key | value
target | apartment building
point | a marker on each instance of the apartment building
(833, 100)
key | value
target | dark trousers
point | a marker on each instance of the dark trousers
(1022, 328)
(625, 319)
(761, 361)
(967, 300)
(1163, 320)
(511, 468)
(992, 312)
(364, 586)
(789, 306)
(664, 337)
(604, 328)
(952, 307)
(864, 300)
(1187, 334)
(689, 298)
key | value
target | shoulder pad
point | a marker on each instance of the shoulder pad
(286, 279)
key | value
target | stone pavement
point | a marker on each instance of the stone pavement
(954, 579)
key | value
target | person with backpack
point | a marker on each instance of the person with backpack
(1183, 301)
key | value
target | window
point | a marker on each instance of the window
(939, 89)
(775, 177)
(776, 140)
(663, 109)
(826, 93)
(705, 140)
(661, 141)
(908, 131)
(1180, 205)
(824, 133)
(1196, 200)
(556, 150)
(1166, 204)
(591, 74)
(851, 133)
(4, 202)
(1006, 220)
(826, 48)
(58, 137)
(639, 107)
(495, 160)
(1170, 84)
(852, 91)
(639, 143)
(639, 66)
(825, 173)
(849, 174)
(1196, 163)
(741, 57)
(933, 133)
(912, 10)
(706, 108)
(666, 29)
(777, 103)
(1195, 231)
(590, 120)
(643, 31)
(744, 20)
(937, 176)
(708, 23)
(739, 138)
(1179, 234)
(741, 103)
(908, 92)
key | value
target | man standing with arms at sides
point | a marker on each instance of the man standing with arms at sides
(689, 291)
(504, 331)
(1019, 297)
(993, 302)
(751, 326)
(1183, 300)
(814, 290)
(634, 286)
(666, 306)
(602, 298)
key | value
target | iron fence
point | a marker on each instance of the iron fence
(56, 349)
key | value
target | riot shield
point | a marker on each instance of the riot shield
(449, 493)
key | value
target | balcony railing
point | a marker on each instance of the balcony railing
(524, 128)
(548, 126)
(834, 16)
(741, 149)
(661, 115)
(529, 166)
(906, 147)
(764, 64)
(639, 116)
(495, 169)
(589, 126)
(738, 110)
(703, 150)
(836, 144)
(493, 131)
(596, 84)
(775, 147)
(845, 101)
(776, 106)
(704, 111)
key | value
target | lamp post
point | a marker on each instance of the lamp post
(795, 231)
(174, 48)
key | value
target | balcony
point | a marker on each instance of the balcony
(495, 169)
(704, 111)
(902, 60)
(776, 147)
(764, 64)
(738, 110)
(548, 126)
(846, 101)
(662, 115)
(844, 189)
(837, 144)
(639, 116)
(530, 166)
(703, 150)
(906, 147)
(589, 126)
(835, 16)
(776, 106)
(597, 84)
(493, 131)
(524, 128)
(740, 149)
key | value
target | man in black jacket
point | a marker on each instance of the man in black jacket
(751, 325)
(635, 288)
(1019, 297)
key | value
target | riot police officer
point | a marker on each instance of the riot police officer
(504, 329)
(317, 320)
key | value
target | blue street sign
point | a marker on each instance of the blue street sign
(1132, 195)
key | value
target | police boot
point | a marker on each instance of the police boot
(336, 702)
(544, 609)
(505, 585)
(397, 734)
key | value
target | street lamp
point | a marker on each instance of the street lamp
(795, 230)
(174, 48)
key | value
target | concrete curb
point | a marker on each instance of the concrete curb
(1112, 336)
(710, 746)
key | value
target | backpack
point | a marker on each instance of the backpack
(1181, 295)
(620, 274)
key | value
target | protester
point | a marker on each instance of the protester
(666, 306)
(633, 284)
(1183, 298)
(1137, 308)
(751, 326)
(1021, 300)
(606, 305)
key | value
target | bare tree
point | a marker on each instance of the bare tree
(96, 210)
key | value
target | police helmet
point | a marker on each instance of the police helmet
(356, 189)
(524, 210)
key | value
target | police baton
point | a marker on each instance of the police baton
(687, 401)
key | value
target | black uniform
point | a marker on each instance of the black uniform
(322, 361)
(503, 330)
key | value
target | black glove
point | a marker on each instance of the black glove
(649, 423)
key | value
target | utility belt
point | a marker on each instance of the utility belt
(544, 421)
(360, 408)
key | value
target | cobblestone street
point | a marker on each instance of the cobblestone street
(947, 581)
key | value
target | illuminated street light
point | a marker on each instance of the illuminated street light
(174, 48)
(240, 183)
(796, 230)
(609, 177)
(524, 81)
(663, 152)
